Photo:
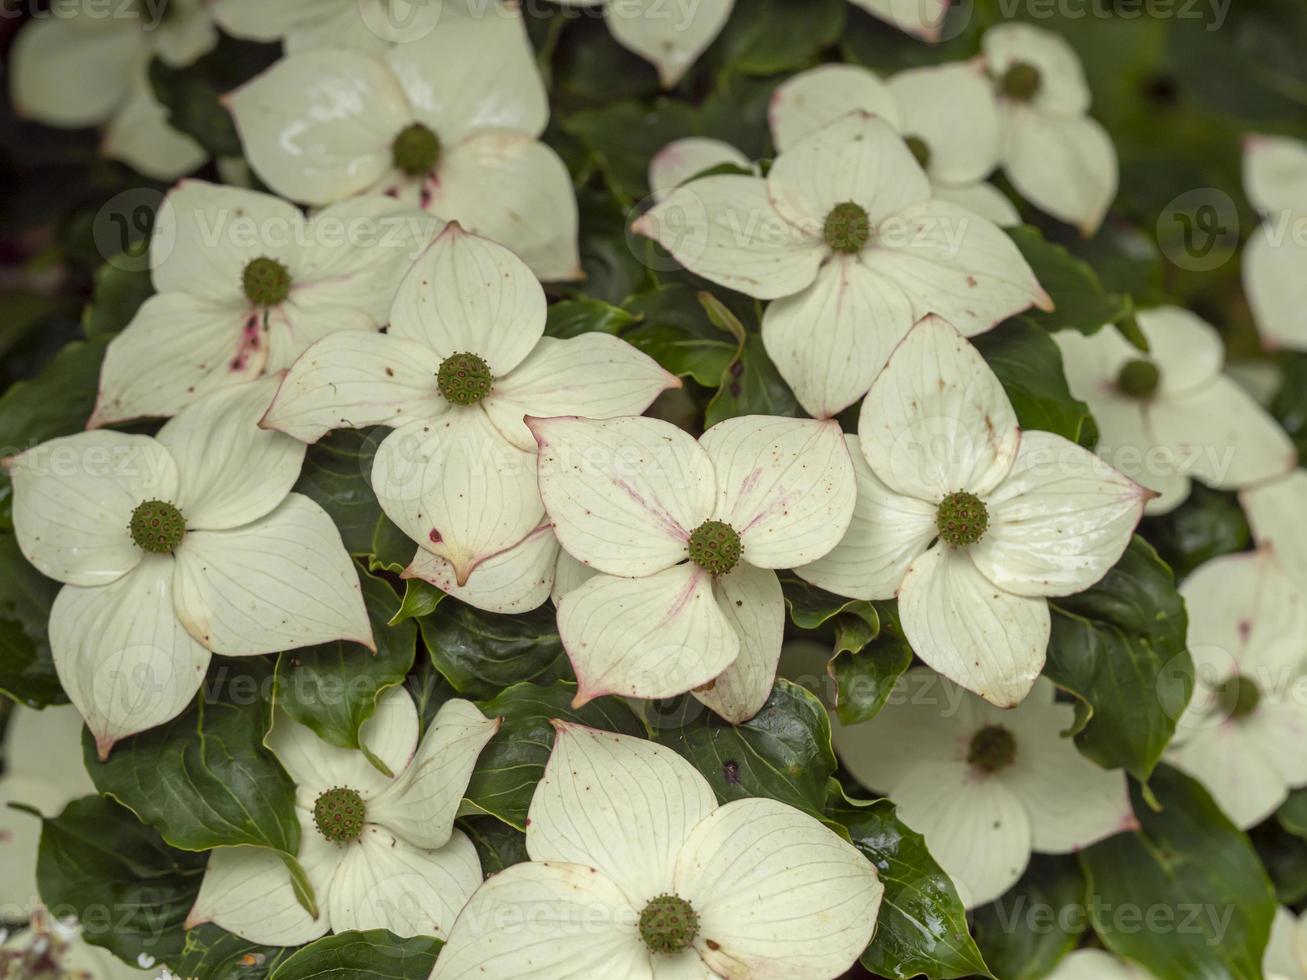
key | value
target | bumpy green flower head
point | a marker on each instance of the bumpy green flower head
(339, 815)
(992, 748)
(1021, 82)
(848, 228)
(962, 519)
(415, 150)
(1238, 696)
(157, 527)
(1138, 379)
(464, 379)
(668, 924)
(715, 547)
(266, 282)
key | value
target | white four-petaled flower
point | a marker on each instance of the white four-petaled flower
(1241, 732)
(686, 535)
(983, 785)
(1168, 415)
(636, 872)
(844, 236)
(380, 851)
(174, 548)
(244, 284)
(463, 362)
(449, 123)
(970, 521)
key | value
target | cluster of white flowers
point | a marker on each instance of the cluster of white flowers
(523, 469)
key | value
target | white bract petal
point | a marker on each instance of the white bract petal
(318, 126)
(651, 637)
(815, 98)
(922, 18)
(1065, 166)
(725, 229)
(230, 471)
(887, 533)
(951, 110)
(63, 74)
(282, 582)
(624, 806)
(74, 498)
(353, 379)
(1275, 514)
(1094, 964)
(937, 421)
(623, 494)
(1059, 521)
(595, 376)
(1275, 173)
(1273, 264)
(468, 295)
(778, 895)
(980, 198)
(671, 38)
(989, 641)
(516, 580)
(1242, 781)
(122, 656)
(141, 136)
(785, 486)
(752, 601)
(683, 159)
(458, 488)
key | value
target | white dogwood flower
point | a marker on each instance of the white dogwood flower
(669, 35)
(171, 552)
(947, 114)
(306, 25)
(1170, 414)
(844, 236)
(463, 362)
(87, 65)
(971, 522)
(1275, 258)
(1058, 157)
(1240, 733)
(1275, 514)
(244, 284)
(984, 786)
(686, 535)
(381, 852)
(637, 873)
(449, 123)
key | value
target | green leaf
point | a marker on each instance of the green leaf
(498, 845)
(337, 475)
(922, 928)
(215, 954)
(1026, 932)
(130, 891)
(1120, 648)
(481, 653)
(392, 550)
(1292, 814)
(120, 289)
(771, 36)
(1029, 364)
(1186, 895)
(194, 108)
(1207, 525)
(752, 386)
(677, 333)
(205, 779)
(623, 138)
(1284, 856)
(420, 599)
(1289, 406)
(57, 402)
(27, 671)
(865, 678)
(356, 955)
(574, 317)
(333, 688)
(810, 606)
(1081, 302)
(514, 761)
(783, 752)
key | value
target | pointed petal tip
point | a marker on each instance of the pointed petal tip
(1044, 302)
(103, 746)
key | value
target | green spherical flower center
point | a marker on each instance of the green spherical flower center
(266, 282)
(920, 150)
(668, 924)
(992, 748)
(415, 150)
(962, 519)
(464, 379)
(848, 228)
(715, 547)
(1238, 696)
(157, 527)
(339, 815)
(1021, 82)
(1138, 378)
